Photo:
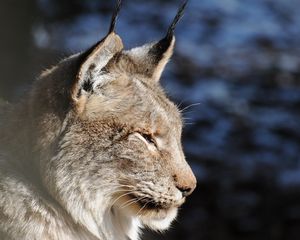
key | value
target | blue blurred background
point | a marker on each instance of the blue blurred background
(236, 70)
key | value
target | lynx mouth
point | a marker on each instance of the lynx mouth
(141, 204)
(149, 204)
(153, 214)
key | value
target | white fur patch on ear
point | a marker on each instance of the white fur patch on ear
(140, 53)
(152, 58)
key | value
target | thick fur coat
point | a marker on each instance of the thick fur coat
(94, 150)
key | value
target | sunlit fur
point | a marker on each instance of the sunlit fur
(98, 162)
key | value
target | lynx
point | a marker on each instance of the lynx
(94, 150)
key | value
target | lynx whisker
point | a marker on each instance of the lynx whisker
(123, 195)
(189, 106)
(132, 201)
(147, 202)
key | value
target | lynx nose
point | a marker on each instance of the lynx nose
(185, 191)
(185, 183)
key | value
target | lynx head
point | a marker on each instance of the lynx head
(118, 151)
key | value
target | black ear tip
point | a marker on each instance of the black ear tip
(115, 16)
(176, 19)
(164, 43)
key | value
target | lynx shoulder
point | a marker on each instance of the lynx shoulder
(94, 150)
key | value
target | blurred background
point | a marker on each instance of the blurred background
(236, 71)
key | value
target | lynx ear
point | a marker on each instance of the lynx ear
(96, 58)
(152, 58)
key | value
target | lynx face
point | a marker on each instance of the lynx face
(119, 150)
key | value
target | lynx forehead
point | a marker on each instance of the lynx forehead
(104, 144)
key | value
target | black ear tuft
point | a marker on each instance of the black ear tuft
(178, 16)
(115, 17)
(162, 46)
(112, 26)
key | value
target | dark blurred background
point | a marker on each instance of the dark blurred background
(238, 64)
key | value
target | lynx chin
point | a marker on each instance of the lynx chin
(93, 152)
